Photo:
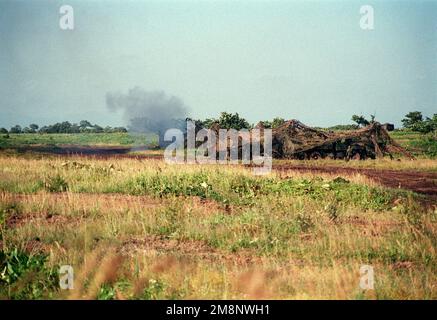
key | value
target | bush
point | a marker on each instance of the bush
(24, 276)
(56, 184)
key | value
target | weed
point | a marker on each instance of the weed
(23, 275)
(55, 184)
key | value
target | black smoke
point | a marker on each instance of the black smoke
(149, 111)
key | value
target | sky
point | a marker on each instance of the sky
(306, 60)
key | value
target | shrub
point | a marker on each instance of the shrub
(24, 276)
(56, 184)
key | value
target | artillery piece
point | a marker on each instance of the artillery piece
(294, 140)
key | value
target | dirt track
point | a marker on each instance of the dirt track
(417, 181)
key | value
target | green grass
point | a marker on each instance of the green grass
(160, 231)
(25, 276)
(417, 143)
(214, 184)
(79, 139)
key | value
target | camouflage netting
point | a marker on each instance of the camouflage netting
(293, 139)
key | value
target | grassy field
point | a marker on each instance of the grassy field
(142, 229)
(417, 143)
(424, 146)
(78, 139)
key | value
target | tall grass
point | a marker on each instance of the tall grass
(146, 230)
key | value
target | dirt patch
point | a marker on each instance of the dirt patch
(18, 220)
(370, 228)
(104, 202)
(163, 245)
(417, 181)
(101, 152)
(193, 249)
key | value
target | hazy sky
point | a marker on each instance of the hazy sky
(308, 60)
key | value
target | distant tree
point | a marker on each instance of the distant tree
(434, 120)
(232, 121)
(74, 128)
(34, 127)
(85, 124)
(16, 129)
(109, 129)
(266, 124)
(341, 127)
(277, 122)
(208, 122)
(97, 129)
(413, 120)
(3, 130)
(120, 129)
(360, 120)
(426, 126)
(65, 127)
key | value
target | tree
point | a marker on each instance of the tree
(97, 129)
(34, 127)
(85, 124)
(16, 129)
(426, 126)
(266, 124)
(343, 127)
(413, 120)
(433, 121)
(3, 130)
(360, 120)
(120, 129)
(232, 121)
(208, 122)
(277, 122)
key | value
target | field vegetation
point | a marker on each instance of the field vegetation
(134, 227)
(142, 229)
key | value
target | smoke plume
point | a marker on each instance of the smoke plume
(149, 111)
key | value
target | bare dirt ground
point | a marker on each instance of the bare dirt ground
(75, 150)
(100, 152)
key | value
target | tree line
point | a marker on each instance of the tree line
(235, 121)
(83, 126)
(413, 121)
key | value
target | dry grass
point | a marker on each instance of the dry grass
(356, 178)
(303, 237)
(387, 164)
